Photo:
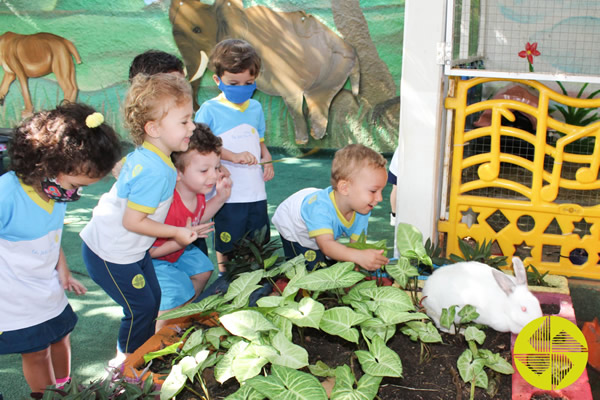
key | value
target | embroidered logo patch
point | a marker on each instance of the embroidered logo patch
(225, 237)
(138, 281)
(136, 170)
(312, 199)
(310, 255)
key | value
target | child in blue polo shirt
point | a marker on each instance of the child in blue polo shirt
(311, 220)
(183, 271)
(158, 112)
(239, 121)
(52, 155)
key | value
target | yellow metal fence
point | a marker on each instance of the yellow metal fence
(543, 205)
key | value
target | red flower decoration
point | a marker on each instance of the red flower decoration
(529, 52)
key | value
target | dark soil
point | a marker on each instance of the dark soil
(435, 378)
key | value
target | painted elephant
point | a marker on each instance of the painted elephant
(302, 58)
(32, 56)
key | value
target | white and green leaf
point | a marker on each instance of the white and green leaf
(248, 324)
(288, 354)
(380, 360)
(366, 388)
(340, 320)
(340, 275)
(288, 384)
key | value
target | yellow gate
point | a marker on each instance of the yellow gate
(541, 201)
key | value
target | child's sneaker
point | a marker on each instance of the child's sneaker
(392, 219)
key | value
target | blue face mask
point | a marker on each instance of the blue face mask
(237, 94)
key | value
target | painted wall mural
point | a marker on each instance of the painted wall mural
(331, 68)
(32, 56)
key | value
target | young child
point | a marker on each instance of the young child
(183, 271)
(311, 220)
(240, 122)
(158, 112)
(53, 154)
(153, 62)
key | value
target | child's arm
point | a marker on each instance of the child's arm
(369, 259)
(65, 277)
(265, 155)
(138, 222)
(171, 246)
(245, 157)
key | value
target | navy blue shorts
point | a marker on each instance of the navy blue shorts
(234, 220)
(392, 178)
(312, 257)
(40, 336)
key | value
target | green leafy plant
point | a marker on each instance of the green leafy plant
(481, 253)
(575, 115)
(534, 277)
(113, 387)
(255, 346)
(252, 252)
(434, 251)
(473, 360)
(362, 244)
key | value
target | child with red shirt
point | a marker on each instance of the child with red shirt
(182, 272)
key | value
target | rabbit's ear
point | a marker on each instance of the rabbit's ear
(520, 272)
(505, 283)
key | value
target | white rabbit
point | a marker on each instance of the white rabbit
(503, 302)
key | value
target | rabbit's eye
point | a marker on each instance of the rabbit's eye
(524, 309)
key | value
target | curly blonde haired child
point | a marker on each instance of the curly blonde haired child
(158, 111)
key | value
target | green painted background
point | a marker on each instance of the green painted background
(108, 34)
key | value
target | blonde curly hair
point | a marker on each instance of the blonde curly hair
(149, 98)
(350, 159)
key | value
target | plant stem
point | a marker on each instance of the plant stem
(193, 391)
(473, 348)
(204, 388)
(472, 396)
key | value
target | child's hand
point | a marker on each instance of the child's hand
(268, 172)
(224, 171)
(185, 236)
(245, 158)
(73, 285)
(224, 187)
(371, 259)
(202, 230)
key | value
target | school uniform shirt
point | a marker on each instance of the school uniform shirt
(146, 183)
(30, 235)
(242, 128)
(312, 212)
(177, 216)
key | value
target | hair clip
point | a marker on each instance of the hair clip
(94, 120)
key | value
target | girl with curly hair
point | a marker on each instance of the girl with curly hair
(53, 155)
(158, 112)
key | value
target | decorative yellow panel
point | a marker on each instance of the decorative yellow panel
(535, 192)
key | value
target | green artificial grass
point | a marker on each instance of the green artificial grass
(94, 339)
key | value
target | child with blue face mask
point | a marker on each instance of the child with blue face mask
(239, 121)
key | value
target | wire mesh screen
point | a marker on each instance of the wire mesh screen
(545, 37)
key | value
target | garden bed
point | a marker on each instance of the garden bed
(436, 377)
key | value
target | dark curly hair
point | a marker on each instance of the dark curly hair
(235, 56)
(153, 62)
(59, 141)
(203, 141)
